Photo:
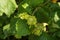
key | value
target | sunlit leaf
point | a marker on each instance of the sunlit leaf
(7, 7)
(56, 17)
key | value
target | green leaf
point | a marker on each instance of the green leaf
(53, 27)
(6, 30)
(59, 3)
(25, 7)
(2, 36)
(58, 23)
(31, 20)
(38, 29)
(24, 15)
(1, 13)
(7, 27)
(22, 28)
(44, 36)
(34, 3)
(10, 29)
(13, 25)
(0, 24)
(56, 17)
(42, 15)
(7, 7)
(58, 33)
